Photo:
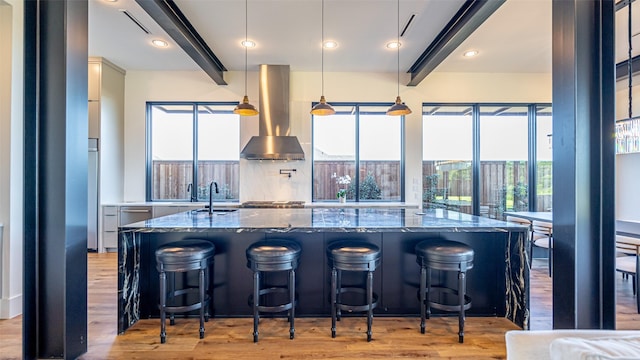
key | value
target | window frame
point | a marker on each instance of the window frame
(148, 147)
(356, 110)
(475, 162)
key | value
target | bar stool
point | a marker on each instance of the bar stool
(268, 256)
(184, 256)
(443, 255)
(352, 256)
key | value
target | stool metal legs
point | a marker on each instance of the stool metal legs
(461, 290)
(292, 300)
(201, 286)
(163, 303)
(257, 307)
(369, 303)
(202, 305)
(423, 298)
(256, 303)
(334, 276)
(336, 304)
(425, 301)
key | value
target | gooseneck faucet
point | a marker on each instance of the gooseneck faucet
(211, 186)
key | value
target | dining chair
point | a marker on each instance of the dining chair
(542, 236)
(627, 262)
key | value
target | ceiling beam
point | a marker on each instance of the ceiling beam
(167, 14)
(470, 16)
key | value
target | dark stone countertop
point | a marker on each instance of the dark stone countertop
(324, 220)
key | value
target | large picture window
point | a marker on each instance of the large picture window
(447, 152)
(189, 146)
(358, 151)
(485, 159)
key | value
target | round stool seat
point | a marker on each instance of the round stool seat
(354, 255)
(445, 255)
(185, 252)
(273, 255)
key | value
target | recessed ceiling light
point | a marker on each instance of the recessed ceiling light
(470, 53)
(248, 43)
(159, 43)
(330, 44)
(111, 0)
(393, 45)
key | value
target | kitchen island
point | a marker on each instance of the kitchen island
(498, 284)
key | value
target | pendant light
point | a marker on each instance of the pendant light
(322, 108)
(399, 108)
(245, 108)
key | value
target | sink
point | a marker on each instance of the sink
(219, 210)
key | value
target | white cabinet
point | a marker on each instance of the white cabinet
(106, 123)
(163, 210)
(110, 227)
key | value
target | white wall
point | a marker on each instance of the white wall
(11, 155)
(261, 180)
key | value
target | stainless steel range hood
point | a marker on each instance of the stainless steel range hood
(273, 141)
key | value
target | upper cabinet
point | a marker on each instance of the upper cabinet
(106, 123)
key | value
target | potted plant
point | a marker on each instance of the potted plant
(342, 180)
(342, 195)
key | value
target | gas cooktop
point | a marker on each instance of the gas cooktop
(273, 204)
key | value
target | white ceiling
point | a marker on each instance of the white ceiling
(516, 38)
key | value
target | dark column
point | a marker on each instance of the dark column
(55, 171)
(583, 164)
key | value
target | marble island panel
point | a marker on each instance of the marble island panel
(324, 220)
(498, 283)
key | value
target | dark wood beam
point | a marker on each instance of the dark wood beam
(470, 16)
(167, 14)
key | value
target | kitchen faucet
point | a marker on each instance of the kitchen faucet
(191, 192)
(211, 186)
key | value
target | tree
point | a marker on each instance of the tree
(369, 189)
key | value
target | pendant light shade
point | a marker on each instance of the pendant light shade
(245, 108)
(399, 108)
(322, 108)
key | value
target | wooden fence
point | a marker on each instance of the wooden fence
(385, 173)
(502, 185)
(172, 178)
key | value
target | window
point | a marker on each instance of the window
(189, 146)
(504, 184)
(447, 152)
(480, 158)
(360, 141)
(544, 156)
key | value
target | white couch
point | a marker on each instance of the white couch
(572, 344)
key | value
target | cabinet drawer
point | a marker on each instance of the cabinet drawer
(110, 222)
(110, 239)
(110, 210)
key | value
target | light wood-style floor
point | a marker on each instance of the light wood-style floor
(232, 339)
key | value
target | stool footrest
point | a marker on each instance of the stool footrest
(171, 307)
(351, 307)
(272, 308)
(435, 290)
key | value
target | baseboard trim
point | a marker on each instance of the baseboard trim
(11, 307)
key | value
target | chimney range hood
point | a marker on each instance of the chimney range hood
(273, 141)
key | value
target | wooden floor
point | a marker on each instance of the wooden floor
(232, 339)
